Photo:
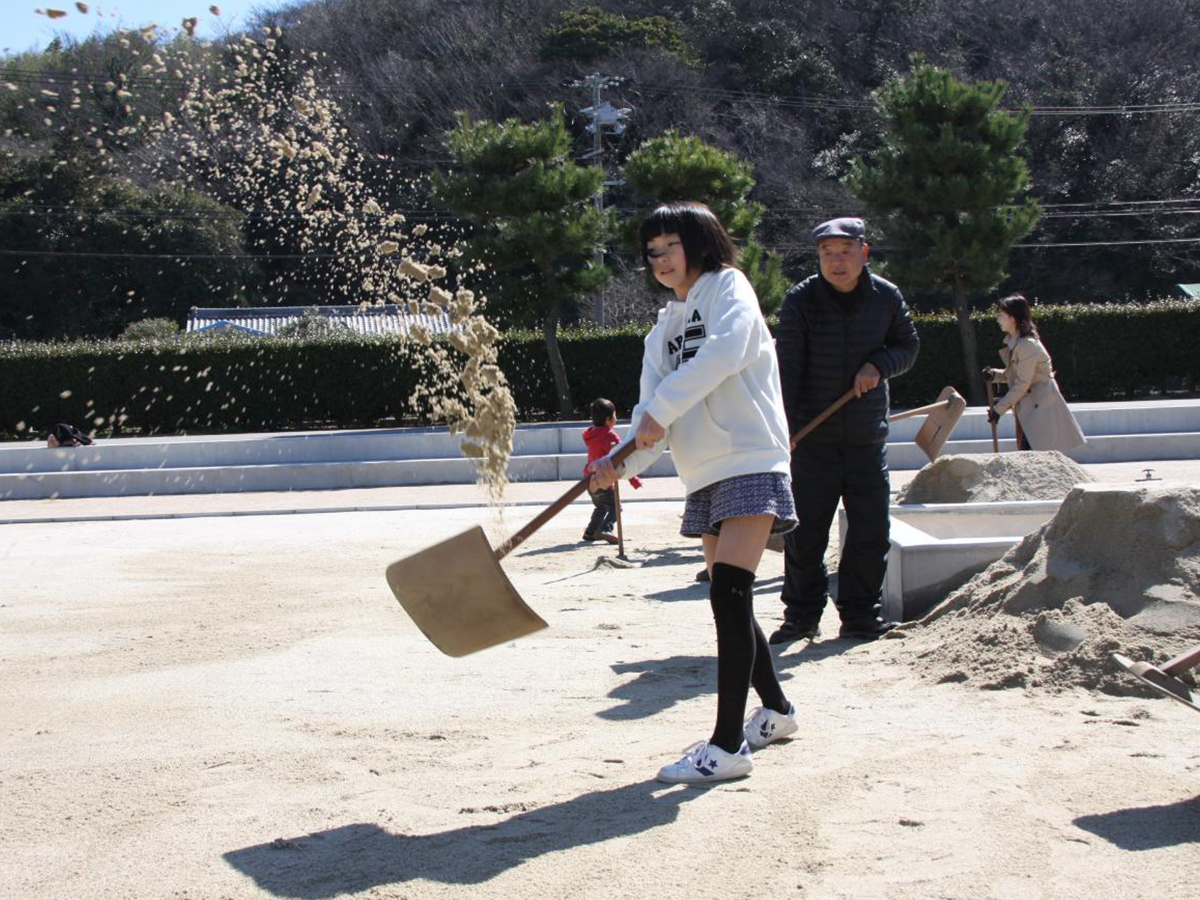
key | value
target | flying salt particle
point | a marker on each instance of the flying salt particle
(82, 7)
(11, 86)
(189, 26)
(215, 10)
(413, 270)
(51, 13)
(419, 230)
(369, 207)
(440, 296)
(64, 395)
(386, 248)
(285, 148)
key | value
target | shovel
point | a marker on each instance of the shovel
(456, 592)
(991, 402)
(1164, 680)
(620, 529)
(934, 431)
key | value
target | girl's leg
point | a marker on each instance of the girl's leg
(743, 657)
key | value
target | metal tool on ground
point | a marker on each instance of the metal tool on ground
(991, 402)
(620, 529)
(1164, 679)
(943, 415)
(457, 593)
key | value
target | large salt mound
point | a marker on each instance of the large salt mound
(976, 478)
(1116, 570)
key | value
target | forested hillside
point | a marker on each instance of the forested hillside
(94, 161)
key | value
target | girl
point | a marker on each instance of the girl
(710, 389)
(1045, 420)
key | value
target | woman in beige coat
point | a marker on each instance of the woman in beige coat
(1033, 394)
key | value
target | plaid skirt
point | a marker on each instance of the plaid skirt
(743, 495)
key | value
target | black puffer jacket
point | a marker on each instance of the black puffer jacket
(824, 337)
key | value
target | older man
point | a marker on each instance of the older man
(840, 329)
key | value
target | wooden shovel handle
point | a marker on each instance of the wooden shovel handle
(921, 410)
(1184, 661)
(558, 505)
(847, 397)
(811, 426)
(991, 402)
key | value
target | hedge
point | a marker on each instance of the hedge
(1101, 351)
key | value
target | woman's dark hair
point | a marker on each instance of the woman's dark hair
(1017, 306)
(707, 246)
(602, 409)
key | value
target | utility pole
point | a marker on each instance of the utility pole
(603, 115)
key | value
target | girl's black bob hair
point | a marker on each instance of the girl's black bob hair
(1019, 308)
(706, 244)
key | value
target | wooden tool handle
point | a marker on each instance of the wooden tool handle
(558, 505)
(811, 426)
(921, 410)
(1184, 661)
(991, 402)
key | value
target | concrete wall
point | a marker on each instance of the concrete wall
(1118, 432)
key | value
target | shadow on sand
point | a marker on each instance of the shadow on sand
(358, 857)
(1147, 827)
(661, 683)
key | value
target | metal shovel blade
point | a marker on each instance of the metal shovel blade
(939, 425)
(1160, 681)
(459, 597)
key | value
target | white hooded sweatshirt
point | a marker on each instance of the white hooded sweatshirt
(710, 378)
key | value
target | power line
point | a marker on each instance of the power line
(1194, 240)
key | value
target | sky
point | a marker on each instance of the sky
(21, 28)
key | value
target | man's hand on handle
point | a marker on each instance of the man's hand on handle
(867, 379)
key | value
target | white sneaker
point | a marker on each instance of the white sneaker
(766, 726)
(703, 763)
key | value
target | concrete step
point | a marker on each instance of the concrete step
(542, 452)
(288, 477)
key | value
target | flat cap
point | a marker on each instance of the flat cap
(840, 228)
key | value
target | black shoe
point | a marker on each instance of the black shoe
(794, 631)
(865, 631)
(703, 575)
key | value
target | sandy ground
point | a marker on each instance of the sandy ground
(237, 708)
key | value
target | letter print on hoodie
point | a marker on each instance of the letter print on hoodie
(689, 342)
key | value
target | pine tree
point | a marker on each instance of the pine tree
(948, 186)
(536, 224)
(675, 167)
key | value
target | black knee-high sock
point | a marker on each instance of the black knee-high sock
(763, 677)
(732, 605)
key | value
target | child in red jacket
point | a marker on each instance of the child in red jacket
(601, 438)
